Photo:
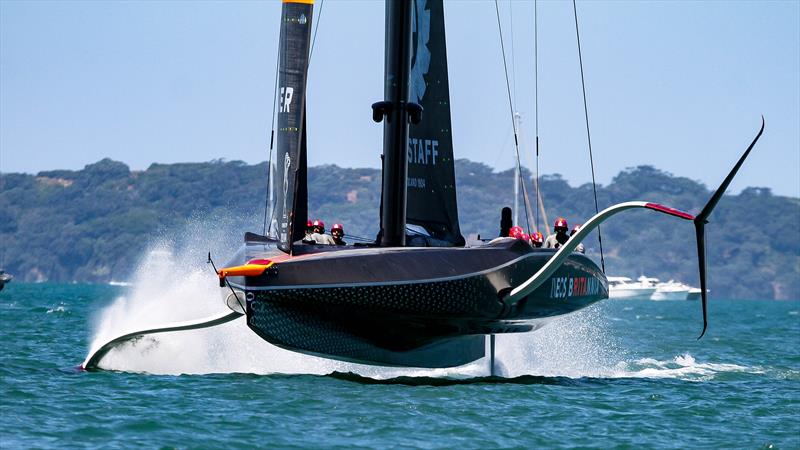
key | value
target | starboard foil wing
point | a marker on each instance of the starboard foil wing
(702, 219)
(528, 286)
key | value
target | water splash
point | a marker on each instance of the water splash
(573, 346)
(173, 283)
(58, 309)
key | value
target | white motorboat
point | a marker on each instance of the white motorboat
(5, 278)
(671, 290)
(695, 293)
(623, 288)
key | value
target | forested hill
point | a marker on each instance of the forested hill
(93, 225)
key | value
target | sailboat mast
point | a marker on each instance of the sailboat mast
(394, 110)
(516, 179)
(516, 195)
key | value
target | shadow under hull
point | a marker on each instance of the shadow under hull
(412, 307)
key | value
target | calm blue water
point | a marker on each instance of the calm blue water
(620, 374)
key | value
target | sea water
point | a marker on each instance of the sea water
(617, 374)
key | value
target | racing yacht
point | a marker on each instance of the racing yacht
(423, 299)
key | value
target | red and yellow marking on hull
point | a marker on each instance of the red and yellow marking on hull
(253, 268)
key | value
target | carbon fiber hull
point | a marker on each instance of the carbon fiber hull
(418, 307)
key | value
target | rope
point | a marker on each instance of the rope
(511, 106)
(588, 136)
(316, 26)
(527, 203)
(353, 237)
(536, 100)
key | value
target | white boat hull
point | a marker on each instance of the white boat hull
(694, 294)
(631, 294)
(669, 295)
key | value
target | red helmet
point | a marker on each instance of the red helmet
(337, 226)
(319, 223)
(515, 230)
(561, 223)
(537, 237)
(576, 228)
(309, 224)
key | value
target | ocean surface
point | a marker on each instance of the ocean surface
(619, 374)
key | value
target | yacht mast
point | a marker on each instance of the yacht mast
(516, 180)
(395, 111)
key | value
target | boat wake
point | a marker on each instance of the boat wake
(684, 367)
(176, 285)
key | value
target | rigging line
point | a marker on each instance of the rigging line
(526, 197)
(269, 210)
(359, 238)
(527, 201)
(588, 136)
(510, 103)
(513, 55)
(502, 151)
(316, 26)
(536, 101)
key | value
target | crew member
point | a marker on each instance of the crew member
(579, 248)
(307, 239)
(337, 231)
(319, 235)
(537, 239)
(523, 236)
(560, 237)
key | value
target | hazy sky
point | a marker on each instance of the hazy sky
(678, 85)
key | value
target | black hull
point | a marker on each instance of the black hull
(418, 307)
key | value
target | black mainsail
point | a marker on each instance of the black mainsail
(431, 184)
(290, 182)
